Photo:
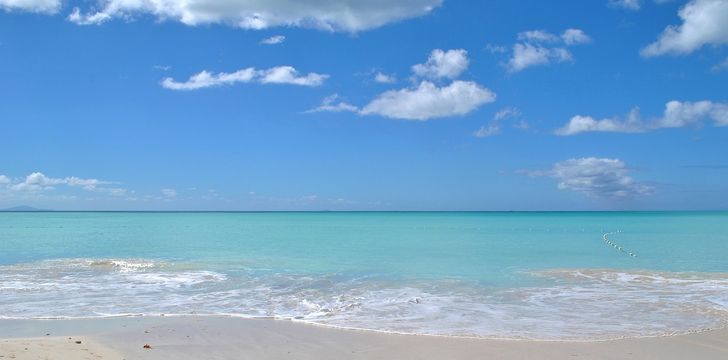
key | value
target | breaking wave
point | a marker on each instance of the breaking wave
(578, 304)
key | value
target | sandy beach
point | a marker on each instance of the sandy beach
(198, 337)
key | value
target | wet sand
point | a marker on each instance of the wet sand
(201, 337)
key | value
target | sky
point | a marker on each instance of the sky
(364, 105)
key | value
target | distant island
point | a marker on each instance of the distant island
(23, 208)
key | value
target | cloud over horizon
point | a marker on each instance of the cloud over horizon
(38, 183)
(599, 177)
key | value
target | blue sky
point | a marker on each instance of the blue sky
(354, 105)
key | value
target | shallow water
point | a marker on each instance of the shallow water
(505, 275)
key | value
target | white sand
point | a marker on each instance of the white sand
(194, 337)
(55, 348)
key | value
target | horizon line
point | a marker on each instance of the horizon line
(354, 211)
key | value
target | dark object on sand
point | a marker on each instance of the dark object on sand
(147, 346)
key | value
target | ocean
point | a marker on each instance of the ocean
(521, 275)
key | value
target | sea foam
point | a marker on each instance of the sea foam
(574, 304)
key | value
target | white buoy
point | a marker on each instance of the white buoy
(615, 245)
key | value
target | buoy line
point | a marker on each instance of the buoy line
(617, 246)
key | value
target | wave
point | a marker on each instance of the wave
(576, 304)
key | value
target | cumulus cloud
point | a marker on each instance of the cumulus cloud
(677, 114)
(443, 64)
(38, 182)
(626, 4)
(579, 124)
(329, 15)
(527, 55)
(332, 103)
(539, 47)
(275, 75)
(575, 37)
(600, 177)
(36, 6)
(384, 78)
(273, 40)
(704, 22)
(428, 101)
(289, 75)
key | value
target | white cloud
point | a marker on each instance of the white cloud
(36, 6)
(89, 19)
(169, 193)
(494, 127)
(506, 113)
(705, 22)
(384, 78)
(329, 104)
(273, 40)
(330, 15)
(443, 64)
(275, 75)
(289, 75)
(579, 124)
(537, 36)
(540, 47)
(677, 114)
(575, 37)
(488, 130)
(569, 37)
(38, 182)
(626, 4)
(206, 79)
(601, 177)
(428, 101)
(527, 55)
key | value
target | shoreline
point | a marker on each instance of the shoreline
(365, 330)
(223, 337)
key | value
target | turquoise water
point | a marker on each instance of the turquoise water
(513, 275)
